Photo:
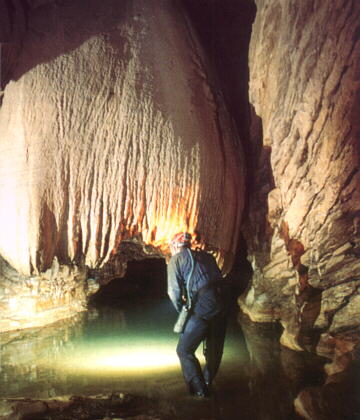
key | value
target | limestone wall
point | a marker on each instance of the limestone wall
(303, 228)
(111, 129)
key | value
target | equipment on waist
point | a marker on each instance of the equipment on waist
(184, 314)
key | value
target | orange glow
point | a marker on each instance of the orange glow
(166, 228)
(181, 216)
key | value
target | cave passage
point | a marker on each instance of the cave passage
(144, 279)
(125, 343)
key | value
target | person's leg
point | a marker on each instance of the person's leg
(214, 347)
(194, 333)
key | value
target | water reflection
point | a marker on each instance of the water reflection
(25, 356)
(132, 348)
(101, 342)
(276, 373)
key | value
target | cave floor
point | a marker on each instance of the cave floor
(130, 349)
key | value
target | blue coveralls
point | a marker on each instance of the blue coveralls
(208, 319)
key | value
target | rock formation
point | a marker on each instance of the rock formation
(114, 136)
(303, 226)
(112, 131)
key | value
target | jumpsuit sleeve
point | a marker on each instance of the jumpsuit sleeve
(174, 280)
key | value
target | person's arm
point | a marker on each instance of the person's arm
(174, 284)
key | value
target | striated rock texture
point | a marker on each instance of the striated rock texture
(112, 130)
(57, 293)
(303, 229)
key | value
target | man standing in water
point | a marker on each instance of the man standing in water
(207, 318)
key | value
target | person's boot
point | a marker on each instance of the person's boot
(198, 388)
(207, 379)
(208, 382)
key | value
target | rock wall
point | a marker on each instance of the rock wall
(303, 229)
(112, 130)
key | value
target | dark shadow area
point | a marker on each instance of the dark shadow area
(256, 229)
(145, 279)
(240, 274)
(224, 28)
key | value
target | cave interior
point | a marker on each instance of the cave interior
(238, 119)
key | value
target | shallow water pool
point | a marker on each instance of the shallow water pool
(130, 347)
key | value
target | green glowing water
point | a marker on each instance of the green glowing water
(130, 348)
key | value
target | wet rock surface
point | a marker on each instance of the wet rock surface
(302, 230)
(60, 292)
